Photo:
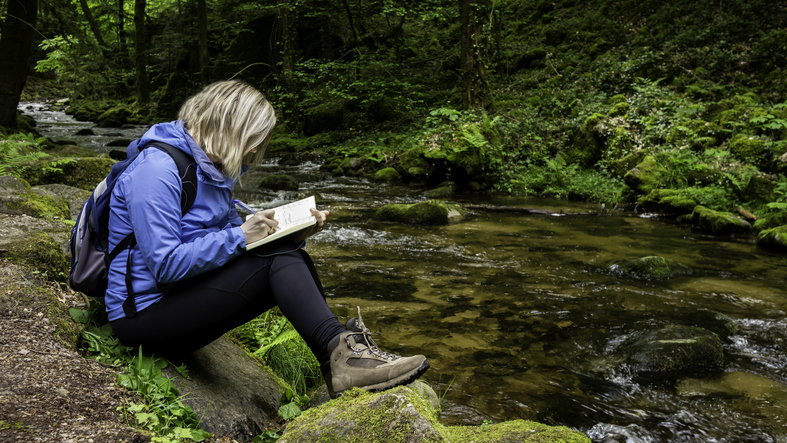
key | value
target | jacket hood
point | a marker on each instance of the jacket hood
(175, 134)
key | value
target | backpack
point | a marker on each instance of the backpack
(90, 257)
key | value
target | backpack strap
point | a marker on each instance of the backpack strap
(187, 172)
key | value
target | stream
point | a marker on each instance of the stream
(522, 316)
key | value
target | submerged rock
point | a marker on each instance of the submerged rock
(652, 267)
(430, 212)
(719, 223)
(675, 352)
(401, 414)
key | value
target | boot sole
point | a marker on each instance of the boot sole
(403, 379)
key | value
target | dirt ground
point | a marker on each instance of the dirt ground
(49, 393)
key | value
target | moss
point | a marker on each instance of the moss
(668, 201)
(653, 267)
(387, 175)
(646, 176)
(461, 151)
(623, 165)
(620, 144)
(114, 117)
(749, 150)
(442, 191)
(402, 415)
(412, 164)
(771, 221)
(83, 173)
(430, 212)
(719, 223)
(587, 145)
(40, 253)
(38, 204)
(774, 238)
(619, 109)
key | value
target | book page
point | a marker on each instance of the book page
(292, 218)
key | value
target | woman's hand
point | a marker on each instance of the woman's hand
(321, 217)
(260, 225)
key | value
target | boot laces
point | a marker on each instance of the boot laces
(372, 348)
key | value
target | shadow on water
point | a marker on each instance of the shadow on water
(525, 316)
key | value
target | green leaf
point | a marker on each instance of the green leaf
(79, 315)
(289, 411)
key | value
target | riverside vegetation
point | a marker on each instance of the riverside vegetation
(673, 109)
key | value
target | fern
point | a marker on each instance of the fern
(475, 139)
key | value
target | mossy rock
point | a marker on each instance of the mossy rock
(430, 212)
(279, 182)
(411, 164)
(774, 239)
(445, 190)
(40, 253)
(716, 322)
(16, 197)
(587, 146)
(388, 175)
(646, 176)
(27, 297)
(402, 415)
(70, 151)
(114, 117)
(719, 223)
(771, 221)
(619, 110)
(668, 201)
(353, 166)
(652, 267)
(619, 144)
(623, 165)
(83, 173)
(674, 352)
(761, 187)
(751, 150)
(459, 154)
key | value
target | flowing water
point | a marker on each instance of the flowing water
(523, 316)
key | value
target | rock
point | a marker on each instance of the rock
(430, 212)
(16, 197)
(38, 252)
(719, 223)
(114, 117)
(70, 150)
(85, 131)
(402, 414)
(774, 238)
(75, 196)
(445, 190)
(387, 175)
(716, 322)
(231, 393)
(645, 177)
(668, 201)
(122, 142)
(652, 267)
(83, 173)
(279, 182)
(771, 221)
(675, 352)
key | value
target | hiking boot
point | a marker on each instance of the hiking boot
(356, 361)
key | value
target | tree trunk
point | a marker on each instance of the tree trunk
(16, 49)
(202, 38)
(141, 48)
(288, 62)
(93, 25)
(475, 87)
(122, 28)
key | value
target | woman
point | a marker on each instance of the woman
(190, 275)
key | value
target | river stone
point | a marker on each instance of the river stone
(402, 414)
(675, 352)
(279, 182)
(652, 267)
(645, 176)
(387, 175)
(16, 198)
(231, 393)
(430, 212)
(667, 201)
(774, 238)
(719, 223)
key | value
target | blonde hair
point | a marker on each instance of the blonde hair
(227, 119)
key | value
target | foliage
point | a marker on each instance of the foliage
(18, 149)
(162, 410)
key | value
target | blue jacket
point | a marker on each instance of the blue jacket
(170, 248)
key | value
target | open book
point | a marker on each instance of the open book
(292, 217)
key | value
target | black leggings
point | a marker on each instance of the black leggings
(201, 309)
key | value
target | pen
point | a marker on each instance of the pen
(244, 206)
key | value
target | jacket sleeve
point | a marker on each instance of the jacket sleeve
(152, 194)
